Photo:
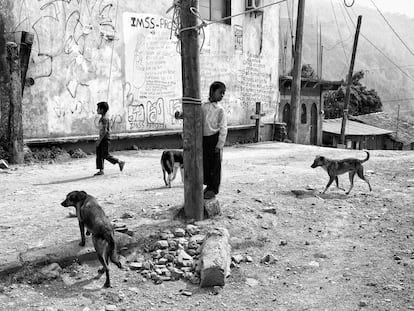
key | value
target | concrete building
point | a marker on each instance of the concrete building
(311, 109)
(126, 52)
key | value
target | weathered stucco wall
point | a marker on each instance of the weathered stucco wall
(123, 52)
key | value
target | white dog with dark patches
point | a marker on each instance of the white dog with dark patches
(171, 161)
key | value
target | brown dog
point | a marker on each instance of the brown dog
(91, 215)
(171, 161)
(338, 167)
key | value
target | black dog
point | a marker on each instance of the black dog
(91, 215)
(171, 160)
(338, 167)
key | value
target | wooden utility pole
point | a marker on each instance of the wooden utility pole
(320, 73)
(26, 43)
(16, 120)
(348, 86)
(192, 114)
(296, 75)
(4, 89)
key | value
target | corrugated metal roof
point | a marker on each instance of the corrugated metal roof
(405, 130)
(352, 128)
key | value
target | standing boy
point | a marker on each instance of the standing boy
(214, 137)
(102, 144)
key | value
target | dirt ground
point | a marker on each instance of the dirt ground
(333, 251)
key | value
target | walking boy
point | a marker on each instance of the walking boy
(102, 144)
(214, 137)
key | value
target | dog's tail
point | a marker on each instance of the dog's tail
(367, 158)
(109, 237)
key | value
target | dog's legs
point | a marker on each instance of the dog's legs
(174, 173)
(163, 175)
(351, 180)
(82, 232)
(169, 180)
(360, 173)
(102, 251)
(337, 183)
(331, 179)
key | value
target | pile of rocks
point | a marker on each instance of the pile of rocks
(174, 255)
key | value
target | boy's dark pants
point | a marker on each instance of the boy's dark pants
(211, 163)
(102, 153)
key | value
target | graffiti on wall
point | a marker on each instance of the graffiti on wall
(71, 65)
(153, 72)
(69, 37)
(255, 81)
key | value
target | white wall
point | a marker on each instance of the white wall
(88, 51)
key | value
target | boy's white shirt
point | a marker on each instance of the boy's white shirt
(215, 121)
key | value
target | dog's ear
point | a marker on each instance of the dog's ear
(77, 196)
(81, 195)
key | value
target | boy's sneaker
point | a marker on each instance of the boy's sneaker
(121, 165)
(209, 194)
(98, 173)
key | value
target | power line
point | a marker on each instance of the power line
(397, 100)
(392, 28)
(379, 50)
(351, 31)
(339, 32)
(338, 43)
(382, 68)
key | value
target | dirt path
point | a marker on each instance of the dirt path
(333, 251)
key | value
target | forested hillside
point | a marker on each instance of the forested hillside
(387, 63)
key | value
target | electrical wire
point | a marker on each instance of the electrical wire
(383, 68)
(340, 37)
(339, 32)
(205, 24)
(337, 43)
(397, 100)
(112, 54)
(176, 21)
(349, 5)
(379, 50)
(342, 9)
(392, 28)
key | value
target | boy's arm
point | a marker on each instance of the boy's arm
(222, 123)
(103, 130)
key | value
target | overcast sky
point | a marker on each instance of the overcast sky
(393, 6)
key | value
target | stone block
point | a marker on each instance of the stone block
(215, 258)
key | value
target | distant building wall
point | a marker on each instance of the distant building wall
(124, 52)
(309, 97)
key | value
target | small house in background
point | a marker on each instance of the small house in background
(357, 135)
(311, 107)
(402, 136)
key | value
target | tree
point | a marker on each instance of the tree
(306, 72)
(361, 101)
